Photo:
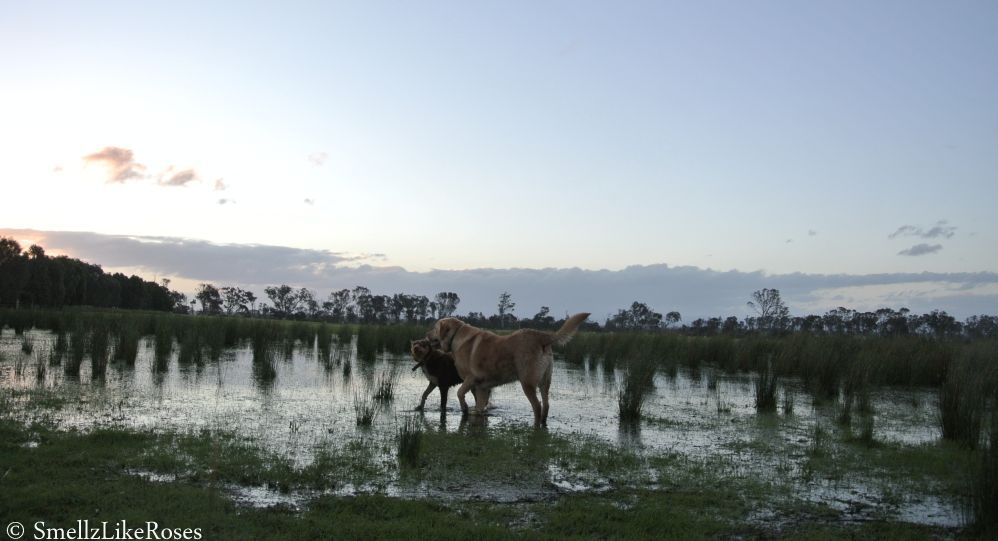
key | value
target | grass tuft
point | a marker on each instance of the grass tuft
(639, 381)
(410, 437)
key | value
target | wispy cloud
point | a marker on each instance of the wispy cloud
(940, 229)
(811, 232)
(921, 249)
(318, 158)
(225, 201)
(309, 201)
(120, 163)
(180, 178)
(220, 186)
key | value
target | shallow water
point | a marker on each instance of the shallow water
(310, 405)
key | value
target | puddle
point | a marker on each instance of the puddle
(309, 406)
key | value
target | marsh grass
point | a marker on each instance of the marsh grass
(127, 343)
(41, 369)
(100, 351)
(77, 351)
(344, 335)
(639, 382)
(984, 484)
(844, 417)
(61, 343)
(788, 402)
(365, 409)
(324, 342)
(962, 404)
(409, 439)
(367, 343)
(27, 346)
(712, 380)
(766, 385)
(386, 384)
(866, 436)
(163, 347)
(191, 350)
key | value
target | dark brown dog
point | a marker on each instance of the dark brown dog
(438, 367)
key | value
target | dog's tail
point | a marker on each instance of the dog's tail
(567, 331)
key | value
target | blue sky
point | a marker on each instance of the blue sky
(774, 137)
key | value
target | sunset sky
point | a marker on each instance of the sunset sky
(844, 152)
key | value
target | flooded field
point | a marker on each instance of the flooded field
(696, 427)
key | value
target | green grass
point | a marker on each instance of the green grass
(65, 476)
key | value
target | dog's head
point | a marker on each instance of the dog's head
(441, 336)
(420, 349)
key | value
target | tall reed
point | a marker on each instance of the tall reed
(639, 381)
(410, 437)
(766, 384)
(984, 487)
(962, 403)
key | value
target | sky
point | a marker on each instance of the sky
(582, 155)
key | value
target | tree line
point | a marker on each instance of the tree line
(32, 278)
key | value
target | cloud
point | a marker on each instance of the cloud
(318, 158)
(693, 291)
(940, 229)
(57, 169)
(224, 201)
(921, 249)
(120, 164)
(220, 186)
(811, 232)
(180, 178)
(309, 201)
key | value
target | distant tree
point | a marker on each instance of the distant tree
(476, 318)
(730, 325)
(337, 305)
(542, 319)
(420, 308)
(210, 299)
(638, 316)
(672, 318)
(505, 306)
(285, 299)
(13, 271)
(772, 312)
(939, 324)
(982, 326)
(361, 298)
(235, 300)
(447, 302)
(307, 303)
(179, 301)
(379, 312)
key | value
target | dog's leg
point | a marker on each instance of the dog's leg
(443, 397)
(426, 393)
(482, 399)
(461, 391)
(530, 390)
(545, 387)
